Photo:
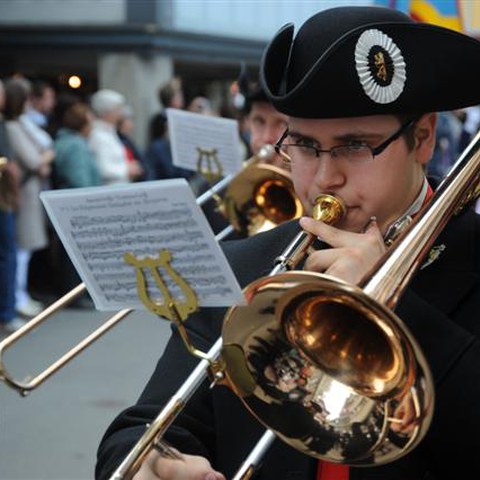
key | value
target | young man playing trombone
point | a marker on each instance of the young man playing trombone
(356, 83)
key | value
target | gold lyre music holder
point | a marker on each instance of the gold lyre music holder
(172, 308)
(213, 170)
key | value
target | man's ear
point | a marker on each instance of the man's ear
(425, 129)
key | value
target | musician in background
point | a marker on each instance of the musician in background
(358, 85)
(264, 126)
(264, 123)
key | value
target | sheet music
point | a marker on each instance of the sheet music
(189, 131)
(98, 225)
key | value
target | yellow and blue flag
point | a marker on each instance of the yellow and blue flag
(444, 13)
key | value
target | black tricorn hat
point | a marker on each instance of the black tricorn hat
(356, 61)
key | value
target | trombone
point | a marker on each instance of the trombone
(24, 387)
(257, 198)
(328, 209)
(309, 319)
(273, 198)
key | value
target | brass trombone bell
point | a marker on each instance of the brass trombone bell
(264, 155)
(261, 197)
(325, 365)
(321, 364)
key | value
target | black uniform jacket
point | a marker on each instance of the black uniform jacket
(442, 309)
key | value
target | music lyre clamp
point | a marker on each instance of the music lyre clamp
(210, 157)
(176, 310)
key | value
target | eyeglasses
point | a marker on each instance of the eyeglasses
(354, 153)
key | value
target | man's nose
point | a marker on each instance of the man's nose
(329, 173)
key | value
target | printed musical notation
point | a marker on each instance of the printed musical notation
(97, 226)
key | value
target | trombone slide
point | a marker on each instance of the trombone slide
(165, 418)
(252, 462)
(24, 387)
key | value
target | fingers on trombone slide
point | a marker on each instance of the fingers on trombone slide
(166, 450)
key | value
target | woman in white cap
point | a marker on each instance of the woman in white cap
(110, 155)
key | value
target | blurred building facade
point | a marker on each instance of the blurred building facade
(134, 46)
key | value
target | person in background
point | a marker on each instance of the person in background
(64, 100)
(158, 154)
(170, 95)
(41, 103)
(35, 162)
(264, 123)
(201, 105)
(159, 161)
(35, 118)
(9, 189)
(359, 85)
(447, 141)
(74, 167)
(265, 126)
(107, 148)
(125, 129)
(74, 163)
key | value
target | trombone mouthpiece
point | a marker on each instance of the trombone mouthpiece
(328, 209)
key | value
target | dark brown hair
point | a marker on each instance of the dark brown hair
(410, 132)
(16, 94)
(75, 117)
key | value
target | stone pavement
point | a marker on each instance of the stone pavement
(53, 433)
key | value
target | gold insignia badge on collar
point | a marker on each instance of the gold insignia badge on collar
(433, 255)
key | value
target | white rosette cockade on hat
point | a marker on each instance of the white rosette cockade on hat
(380, 66)
(356, 61)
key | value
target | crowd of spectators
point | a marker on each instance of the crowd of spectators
(59, 141)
